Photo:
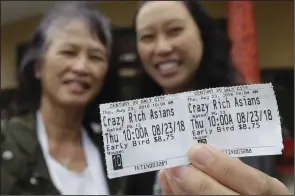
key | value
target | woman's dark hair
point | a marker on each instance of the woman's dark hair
(216, 68)
(29, 93)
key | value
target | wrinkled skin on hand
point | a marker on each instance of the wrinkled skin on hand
(212, 172)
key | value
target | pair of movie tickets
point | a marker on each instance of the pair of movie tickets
(155, 133)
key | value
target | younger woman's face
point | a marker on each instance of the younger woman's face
(169, 43)
(74, 65)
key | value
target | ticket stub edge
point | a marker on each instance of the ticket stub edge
(101, 106)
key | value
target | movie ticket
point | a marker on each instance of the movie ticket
(155, 133)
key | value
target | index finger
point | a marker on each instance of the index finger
(164, 183)
(233, 173)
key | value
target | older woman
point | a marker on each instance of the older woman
(182, 48)
(65, 73)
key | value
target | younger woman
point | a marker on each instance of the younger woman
(182, 48)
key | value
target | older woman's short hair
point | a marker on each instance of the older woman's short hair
(100, 27)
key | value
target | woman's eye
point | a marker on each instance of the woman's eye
(68, 53)
(96, 58)
(146, 38)
(175, 31)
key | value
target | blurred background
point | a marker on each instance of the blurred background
(274, 21)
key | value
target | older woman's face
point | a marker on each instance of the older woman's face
(74, 65)
(168, 43)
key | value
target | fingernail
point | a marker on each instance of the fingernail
(178, 172)
(202, 155)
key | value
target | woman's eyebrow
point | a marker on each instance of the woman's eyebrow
(167, 22)
(176, 20)
(94, 49)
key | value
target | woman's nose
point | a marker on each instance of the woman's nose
(163, 46)
(80, 66)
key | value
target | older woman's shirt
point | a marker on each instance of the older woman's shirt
(89, 182)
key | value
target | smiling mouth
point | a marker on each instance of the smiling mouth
(77, 86)
(168, 68)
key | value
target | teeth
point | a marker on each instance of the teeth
(76, 84)
(168, 66)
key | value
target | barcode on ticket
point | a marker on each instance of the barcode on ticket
(155, 133)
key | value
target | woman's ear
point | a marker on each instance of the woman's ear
(37, 70)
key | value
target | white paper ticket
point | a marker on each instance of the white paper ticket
(155, 133)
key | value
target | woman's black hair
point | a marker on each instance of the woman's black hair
(29, 91)
(216, 68)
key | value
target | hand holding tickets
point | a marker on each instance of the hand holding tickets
(215, 173)
(156, 133)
